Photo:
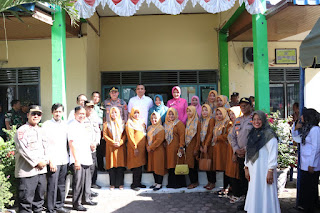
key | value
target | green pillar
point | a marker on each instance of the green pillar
(224, 65)
(58, 45)
(261, 64)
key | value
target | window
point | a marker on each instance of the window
(192, 82)
(19, 83)
(284, 89)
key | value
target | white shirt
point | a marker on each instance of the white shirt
(80, 134)
(71, 116)
(310, 151)
(143, 104)
(92, 122)
(56, 135)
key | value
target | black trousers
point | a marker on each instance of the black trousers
(236, 189)
(56, 188)
(81, 185)
(117, 176)
(31, 193)
(193, 175)
(226, 181)
(308, 190)
(157, 178)
(243, 186)
(176, 181)
(101, 152)
(137, 175)
(93, 168)
(211, 176)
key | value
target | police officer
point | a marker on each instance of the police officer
(31, 163)
(114, 101)
(239, 139)
(92, 122)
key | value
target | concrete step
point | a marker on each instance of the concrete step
(148, 180)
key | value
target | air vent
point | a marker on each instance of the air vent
(7, 76)
(247, 55)
(207, 77)
(276, 75)
(130, 78)
(188, 77)
(28, 75)
(110, 78)
(165, 77)
(293, 74)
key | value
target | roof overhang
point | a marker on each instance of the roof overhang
(286, 22)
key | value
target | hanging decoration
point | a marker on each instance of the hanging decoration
(87, 8)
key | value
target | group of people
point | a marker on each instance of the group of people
(238, 141)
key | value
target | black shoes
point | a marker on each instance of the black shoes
(80, 208)
(90, 203)
(94, 194)
(157, 189)
(152, 187)
(142, 186)
(95, 186)
(63, 210)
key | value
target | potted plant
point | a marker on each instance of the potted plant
(286, 149)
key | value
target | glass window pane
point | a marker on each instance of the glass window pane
(188, 92)
(29, 93)
(277, 98)
(7, 94)
(292, 96)
(204, 91)
(128, 93)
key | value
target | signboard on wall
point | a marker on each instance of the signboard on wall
(286, 56)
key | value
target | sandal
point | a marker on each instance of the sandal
(207, 185)
(121, 187)
(112, 188)
(192, 185)
(236, 199)
(211, 186)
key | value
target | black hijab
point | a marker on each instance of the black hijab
(311, 118)
(258, 137)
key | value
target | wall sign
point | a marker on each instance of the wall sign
(286, 56)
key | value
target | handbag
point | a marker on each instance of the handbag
(181, 169)
(204, 163)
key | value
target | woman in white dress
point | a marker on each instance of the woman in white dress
(261, 167)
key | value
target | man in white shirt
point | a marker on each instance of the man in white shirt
(55, 131)
(80, 102)
(79, 137)
(142, 102)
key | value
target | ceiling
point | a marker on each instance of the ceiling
(152, 10)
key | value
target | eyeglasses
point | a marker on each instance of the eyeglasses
(36, 113)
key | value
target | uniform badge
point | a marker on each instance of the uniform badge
(125, 107)
(20, 135)
(237, 122)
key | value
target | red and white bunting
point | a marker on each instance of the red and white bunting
(173, 7)
(87, 8)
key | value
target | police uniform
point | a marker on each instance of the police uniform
(122, 106)
(92, 123)
(239, 139)
(30, 150)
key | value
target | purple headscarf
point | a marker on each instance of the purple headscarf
(180, 104)
(198, 107)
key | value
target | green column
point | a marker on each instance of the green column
(261, 64)
(58, 42)
(223, 62)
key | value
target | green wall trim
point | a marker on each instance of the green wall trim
(58, 45)
(224, 64)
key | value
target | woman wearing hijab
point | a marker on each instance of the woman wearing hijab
(115, 136)
(156, 150)
(158, 107)
(261, 167)
(180, 104)
(206, 133)
(196, 103)
(222, 101)
(212, 101)
(174, 135)
(136, 133)
(220, 144)
(310, 157)
(232, 166)
(192, 141)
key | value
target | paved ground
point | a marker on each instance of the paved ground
(147, 201)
